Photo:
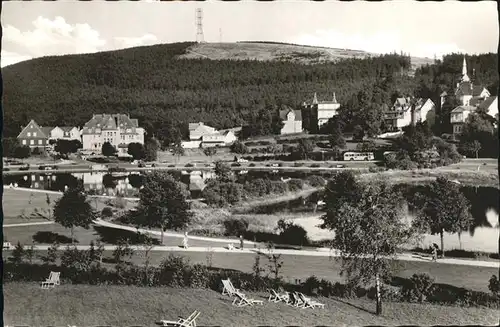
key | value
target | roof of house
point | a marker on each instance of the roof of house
(467, 88)
(284, 113)
(201, 128)
(115, 121)
(234, 130)
(46, 130)
(463, 108)
(486, 104)
(403, 104)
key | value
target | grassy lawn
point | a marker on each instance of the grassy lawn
(20, 203)
(85, 305)
(466, 176)
(38, 234)
(302, 267)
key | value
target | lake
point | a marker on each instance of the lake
(483, 235)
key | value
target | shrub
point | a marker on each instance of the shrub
(174, 271)
(292, 234)
(494, 285)
(315, 165)
(316, 181)
(278, 187)
(258, 187)
(51, 256)
(418, 288)
(107, 212)
(295, 184)
(239, 148)
(298, 164)
(235, 227)
(18, 254)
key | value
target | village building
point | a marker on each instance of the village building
(403, 113)
(118, 129)
(322, 110)
(201, 135)
(472, 98)
(36, 136)
(65, 133)
(292, 121)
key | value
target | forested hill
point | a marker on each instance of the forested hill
(158, 85)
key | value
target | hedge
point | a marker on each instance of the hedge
(175, 271)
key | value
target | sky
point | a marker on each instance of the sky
(36, 29)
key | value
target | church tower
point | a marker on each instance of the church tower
(465, 77)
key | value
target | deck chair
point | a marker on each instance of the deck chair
(276, 297)
(52, 281)
(297, 301)
(188, 322)
(310, 303)
(229, 289)
(241, 300)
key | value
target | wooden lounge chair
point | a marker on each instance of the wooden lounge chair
(310, 303)
(297, 301)
(52, 281)
(276, 297)
(229, 289)
(188, 322)
(241, 300)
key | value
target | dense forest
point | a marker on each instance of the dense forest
(152, 84)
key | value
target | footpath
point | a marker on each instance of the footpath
(252, 247)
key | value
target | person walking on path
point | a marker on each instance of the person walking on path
(434, 252)
(185, 240)
(241, 242)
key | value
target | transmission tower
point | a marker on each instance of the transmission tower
(199, 26)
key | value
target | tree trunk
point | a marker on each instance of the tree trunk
(477, 154)
(442, 242)
(162, 236)
(378, 295)
(72, 235)
(460, 239)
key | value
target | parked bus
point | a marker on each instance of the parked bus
(358, 156)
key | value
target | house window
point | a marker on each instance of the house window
(34, 134)
(29, 134)
(41, 178)
(24, 142)
(32, 177)
(32, 142)
(39, 142)
(31, 126)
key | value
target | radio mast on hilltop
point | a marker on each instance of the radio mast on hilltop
(199, 26)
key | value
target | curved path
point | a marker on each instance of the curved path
(321, 252)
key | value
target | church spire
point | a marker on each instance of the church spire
(465, 77)
(315, 99)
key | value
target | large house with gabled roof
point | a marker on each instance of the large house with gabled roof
(118, 129)
(322, 110)
(292, 121)
(37, 136)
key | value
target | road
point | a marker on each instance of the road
(259, 166)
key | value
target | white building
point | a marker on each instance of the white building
(118, 129)
(472, 97)
(65, 133)
(201, 135)
(401, 114)
(292, 121)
